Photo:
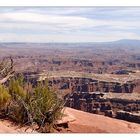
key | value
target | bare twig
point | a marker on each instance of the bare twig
(6, 70)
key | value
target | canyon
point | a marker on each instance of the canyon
(99, 78)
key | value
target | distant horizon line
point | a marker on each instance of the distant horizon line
(69, 42)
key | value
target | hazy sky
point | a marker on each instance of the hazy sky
(67, 24)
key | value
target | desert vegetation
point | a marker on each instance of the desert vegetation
(38, 106)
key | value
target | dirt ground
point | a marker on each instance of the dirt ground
(80, 122)
(83, 122)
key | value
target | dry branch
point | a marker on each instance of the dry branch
(6, 70)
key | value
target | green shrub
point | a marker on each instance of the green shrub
(46, 106)
(16, 87)
(15, 109)
(38, 105)
(4, 97)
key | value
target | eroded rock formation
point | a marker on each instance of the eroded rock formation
(94, 102)
(91, 85)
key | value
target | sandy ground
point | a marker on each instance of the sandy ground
(7, 126)
(81, 122)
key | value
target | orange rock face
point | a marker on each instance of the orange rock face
(84, 122)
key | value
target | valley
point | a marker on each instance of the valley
(99, 78)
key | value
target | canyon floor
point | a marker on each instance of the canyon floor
(80, 122)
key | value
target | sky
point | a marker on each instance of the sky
(69, 24)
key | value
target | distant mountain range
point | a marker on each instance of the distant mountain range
(126, 42)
